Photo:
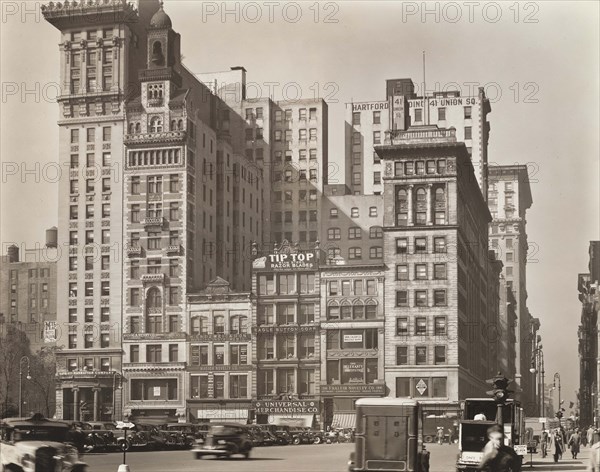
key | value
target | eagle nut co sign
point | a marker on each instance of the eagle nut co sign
(300, 407)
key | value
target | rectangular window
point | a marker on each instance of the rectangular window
(418, 115)
(91, 135)
(440, 325)
(402, 272)
(402, 326)
(421, 298)
(439, 245)
(420, 245)
(401, 245)
(421, 271)
(238, 386)
(468, 112)
(173, 353)
(356, 118)
(439, 271)
(441, 114)
(401, 355)
(420, 326)
(439, 297)
(439, 355)
(401, 298)
(420, 355)
(468, 132)
(376, 117)
(153, 353)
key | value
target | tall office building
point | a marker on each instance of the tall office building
(102, 48)
(509, 198)
(367, 122)
(440, 282)
(288, 141)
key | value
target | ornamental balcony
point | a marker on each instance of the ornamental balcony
(420, 134)
(177, 137)
(153, 278)
(134, 251)
(153, 221)
(173, 249)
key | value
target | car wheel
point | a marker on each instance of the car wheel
(317, 440)
(296, 440)
(428, 439)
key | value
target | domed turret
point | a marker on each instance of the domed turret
(161, 19)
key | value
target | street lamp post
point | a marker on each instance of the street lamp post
(21, 382)
(557, 376)
(537, 366)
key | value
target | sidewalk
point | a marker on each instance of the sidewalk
(564, 464)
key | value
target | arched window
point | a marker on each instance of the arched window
(333, 311)
(157, 54)
(371, 309)
(346, 310)
(138, 128)
(156, 125)
(180, 125)
(440, 195)
(131, 128)
(358, 310)
(173, 125)
(421, 206)
(154, 311)
(238, 325)
(219, 325)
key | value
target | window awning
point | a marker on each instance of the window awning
(344, 420)
(235, 415)
(302, 421)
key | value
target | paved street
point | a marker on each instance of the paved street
(313, 458)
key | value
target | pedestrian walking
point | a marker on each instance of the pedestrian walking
(556, 444)
(497, 457)
(594, 461)
(590, 436)
(440, 435)
(450, 436)
(575, 443)
(544, 443)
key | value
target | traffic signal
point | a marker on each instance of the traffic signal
(499, 390)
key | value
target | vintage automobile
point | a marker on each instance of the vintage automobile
(225, 439)
(180, 435)
(37, 444)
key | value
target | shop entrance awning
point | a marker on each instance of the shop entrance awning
(344, 420)
(302, 421)
(234, 415)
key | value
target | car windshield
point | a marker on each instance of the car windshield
(474, 437)
(39, 433)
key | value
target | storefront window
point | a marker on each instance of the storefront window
(219, 386)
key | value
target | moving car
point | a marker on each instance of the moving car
(225, 439)
(37, 444)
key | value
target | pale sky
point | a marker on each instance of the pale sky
(538, 60)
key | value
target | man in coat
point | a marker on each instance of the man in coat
(575, 443)
(556, 444)
(497, 457)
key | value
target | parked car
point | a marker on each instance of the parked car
(181, 435)
(225, 439)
